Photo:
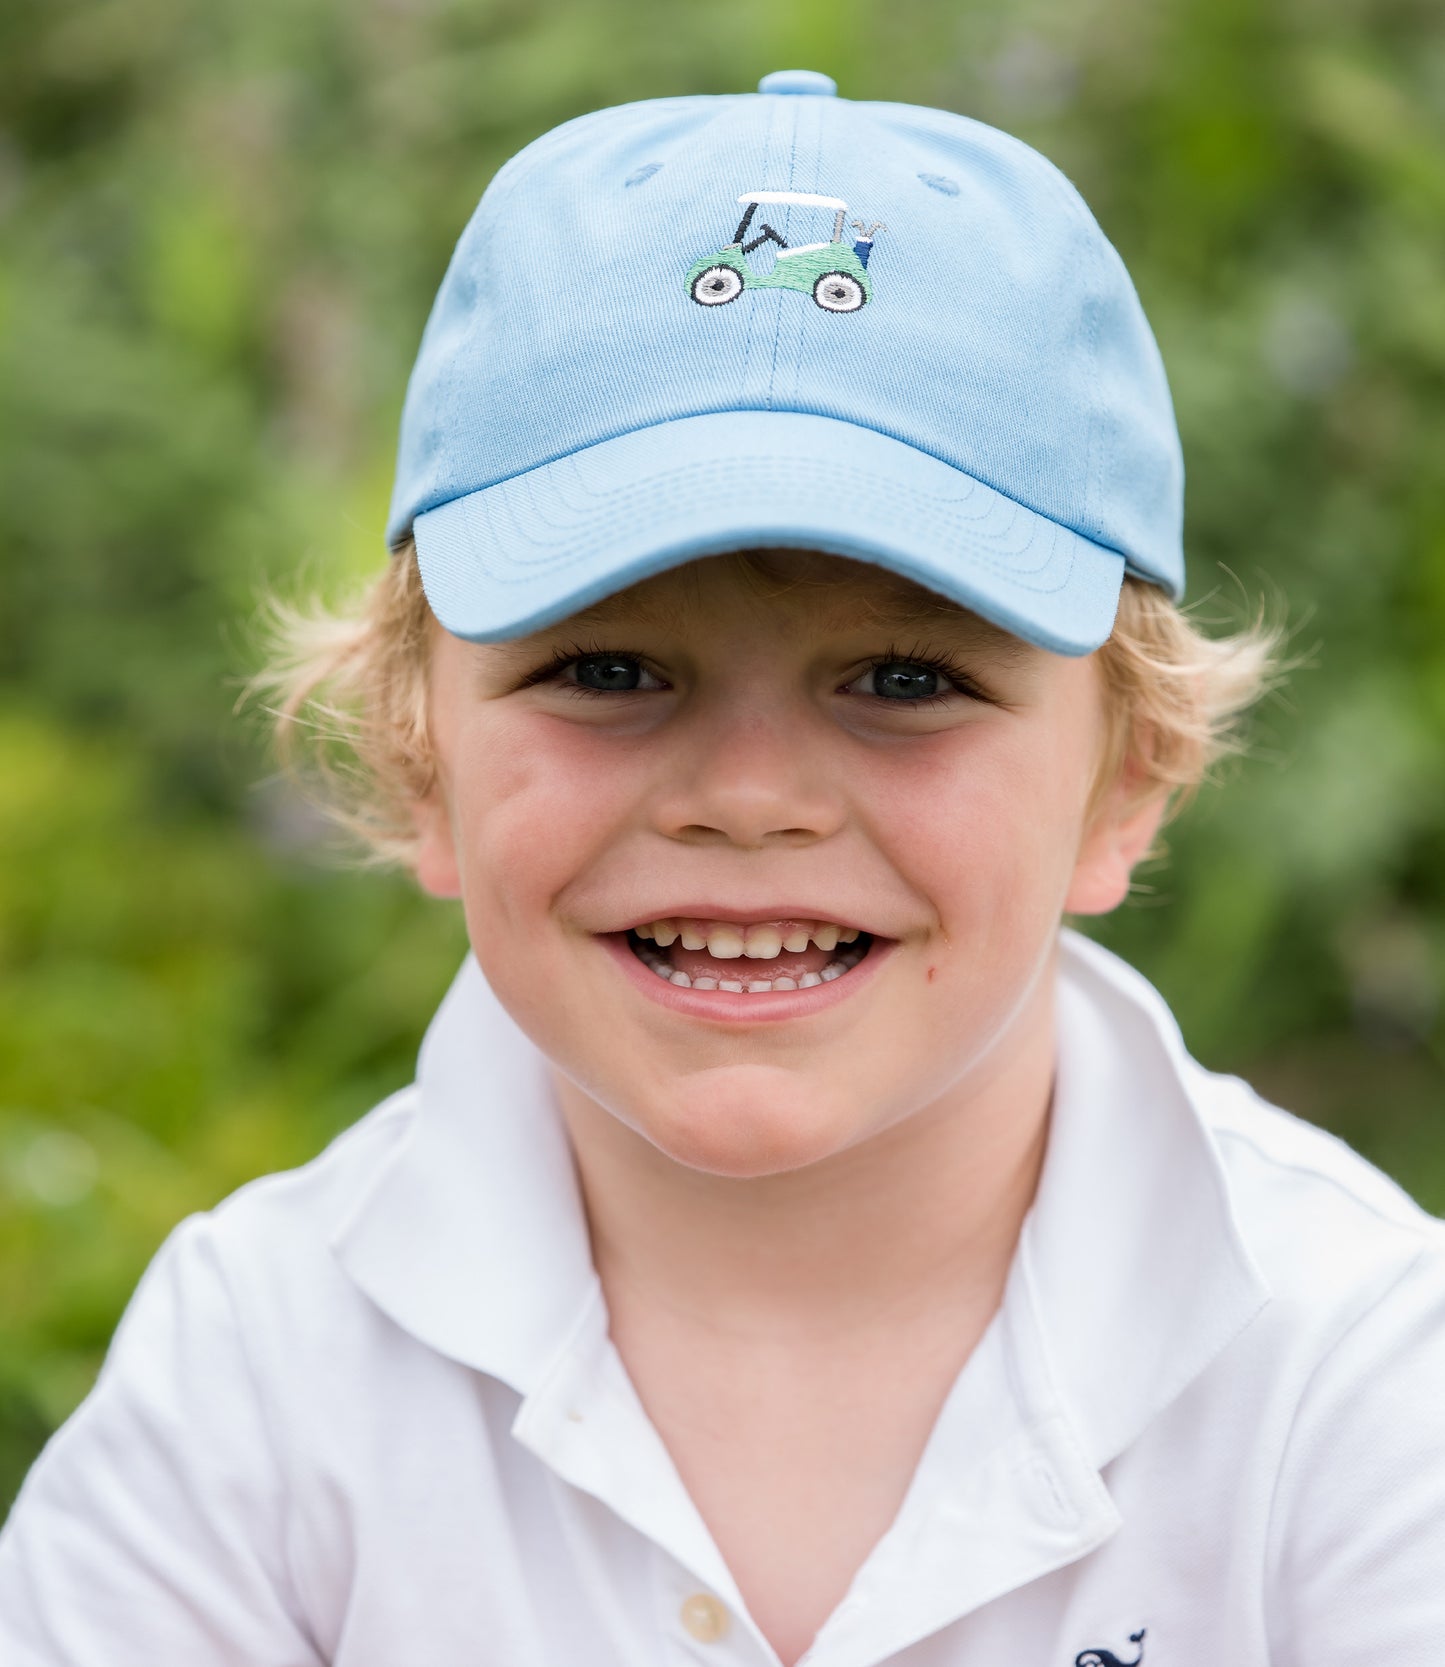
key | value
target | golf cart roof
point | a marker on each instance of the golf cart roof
(805, 197)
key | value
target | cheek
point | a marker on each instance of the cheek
(532, 797)
(986, 823)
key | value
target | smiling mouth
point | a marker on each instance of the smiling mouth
(759, 959)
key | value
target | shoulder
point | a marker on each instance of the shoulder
(1327, 1229)
(1356, 1330)
(1354, 1337)
(1310, 1206)
(213, 1399)
(1356, 1272)
(1335, 1384)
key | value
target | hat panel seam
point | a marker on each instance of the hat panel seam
(821, 112)
(797, 114)
(803, 171)
(1092, 237)
(1094, 310)
(1101, 253)
(493, 200)
(757, 316)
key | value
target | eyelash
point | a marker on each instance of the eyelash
(569, 656)
(943, 664)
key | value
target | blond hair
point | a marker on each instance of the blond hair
(347, 694)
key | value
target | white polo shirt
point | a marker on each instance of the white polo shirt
(367, 1413)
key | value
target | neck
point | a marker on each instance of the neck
(920, 1220)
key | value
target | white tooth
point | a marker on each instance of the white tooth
(762, 943)
(731, 984)
(704, 983)
(785, 984)
(760, 986)
(808, 980)
(796, 940)
(691, 937)
(850, 936)
(643, 931)
(665, 931)
(724, 943)
(682, 981)
(661, 968)
(834, 969)
(826, 937)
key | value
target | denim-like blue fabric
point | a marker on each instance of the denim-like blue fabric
(995, 421)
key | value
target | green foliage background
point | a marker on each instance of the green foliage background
(222, 226)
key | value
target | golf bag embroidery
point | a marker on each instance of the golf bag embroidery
(835, 273)
(1107, 1658)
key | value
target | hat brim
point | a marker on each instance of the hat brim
(528, 551)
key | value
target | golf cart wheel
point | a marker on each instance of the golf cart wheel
(839, 292)
(717, 286)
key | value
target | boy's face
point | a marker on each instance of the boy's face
(788, 743)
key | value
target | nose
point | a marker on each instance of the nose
(750, 779)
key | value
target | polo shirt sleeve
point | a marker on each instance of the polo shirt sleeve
(1357, 1541)
(152, 1529)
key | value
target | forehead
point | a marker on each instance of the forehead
(821, 593)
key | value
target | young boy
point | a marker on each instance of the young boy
(795, 1246)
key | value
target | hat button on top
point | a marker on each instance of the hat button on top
(799, 81)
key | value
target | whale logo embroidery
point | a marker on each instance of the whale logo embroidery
(1107, 1658)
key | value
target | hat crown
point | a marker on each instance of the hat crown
(1001, 333)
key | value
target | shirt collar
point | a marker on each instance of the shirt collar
(471, 1234)
(1131, 1274)
(1132, 1253)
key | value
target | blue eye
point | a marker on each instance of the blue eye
(904, 680)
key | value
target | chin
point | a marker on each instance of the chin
(743, 1129)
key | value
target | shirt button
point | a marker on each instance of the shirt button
(704, 1617)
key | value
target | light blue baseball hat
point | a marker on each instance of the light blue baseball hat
(692, 325)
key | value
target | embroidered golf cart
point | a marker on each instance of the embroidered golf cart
(834, 274)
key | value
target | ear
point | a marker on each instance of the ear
(435, 862)
(1121, 833)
